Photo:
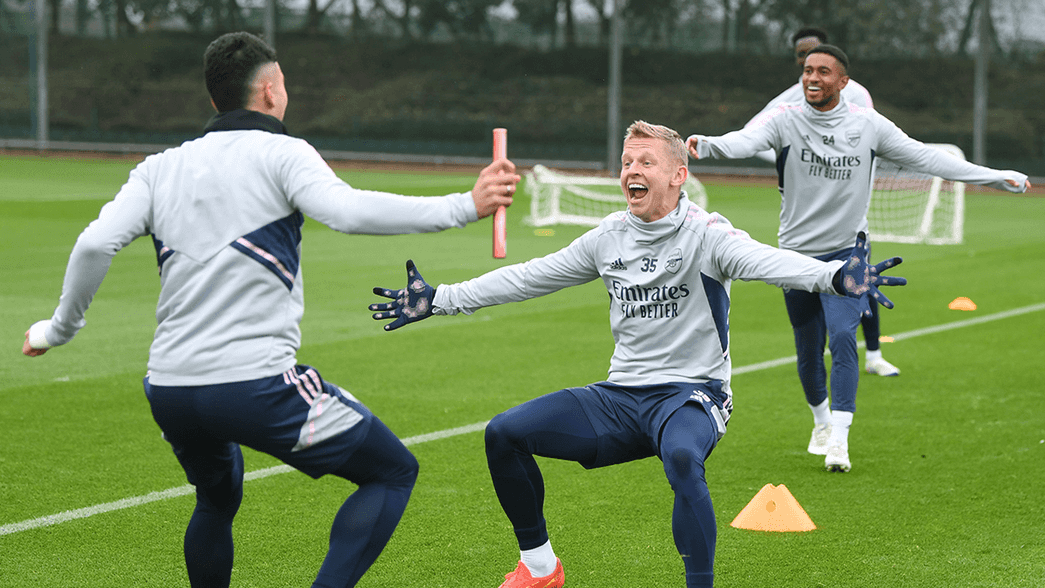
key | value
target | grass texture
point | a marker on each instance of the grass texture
(948, 458)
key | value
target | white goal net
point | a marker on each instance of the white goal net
(908, 206)
(558, 198)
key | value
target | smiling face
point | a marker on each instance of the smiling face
(823, 78)
(651, 177)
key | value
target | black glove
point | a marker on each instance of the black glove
(857, 278)
(411, 304)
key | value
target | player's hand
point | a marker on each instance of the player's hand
(1015, 184)
(411, 304)
(857, 277)
(495, 187)
(691, 145)
(27, 347)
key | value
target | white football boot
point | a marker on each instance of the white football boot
(837, 459)
(818, 440)
(881, 367)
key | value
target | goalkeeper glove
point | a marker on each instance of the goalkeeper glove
(856, 278)
(411, 304)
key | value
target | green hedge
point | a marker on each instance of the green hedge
(444, 98)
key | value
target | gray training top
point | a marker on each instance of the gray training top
(668, 283)
(225, 213)
(825, 162)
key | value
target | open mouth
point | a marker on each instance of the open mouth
(636, 190)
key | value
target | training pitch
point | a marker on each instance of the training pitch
(948, 458)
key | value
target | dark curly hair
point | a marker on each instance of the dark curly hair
(833, 52)
(804, 32)
(230, 63)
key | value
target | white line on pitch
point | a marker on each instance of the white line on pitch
(772, 363)
(89, 511)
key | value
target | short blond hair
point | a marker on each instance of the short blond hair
(676, 146)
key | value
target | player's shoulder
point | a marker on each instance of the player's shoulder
(612, 223)
(710, 223)
(698, 219)
(778, 112)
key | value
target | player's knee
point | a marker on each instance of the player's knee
(499, 433)
(403, 472)
(223, 498)
(682, 465)
(412, 469)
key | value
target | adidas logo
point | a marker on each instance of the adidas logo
(618, 265)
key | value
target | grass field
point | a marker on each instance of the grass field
(948, 459)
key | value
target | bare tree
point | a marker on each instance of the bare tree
(978, 7)
(314, 15)
(403, 20)
(654, 19)
(463, 18)
(885, 27)
(604, 19)
(540, 15)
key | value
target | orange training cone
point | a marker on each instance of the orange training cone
(962, 303)
(773, 509)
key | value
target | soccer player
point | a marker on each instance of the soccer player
(803, 40)
(667, 266)
(225, 213)
(825, 149)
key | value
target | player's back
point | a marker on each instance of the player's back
(227, 241)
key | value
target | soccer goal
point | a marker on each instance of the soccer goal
(912, 207)
(559, 198)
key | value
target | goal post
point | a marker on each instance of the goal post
(909, 206)
(558, 198)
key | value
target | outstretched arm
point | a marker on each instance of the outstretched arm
(733, 145)
(120, 221)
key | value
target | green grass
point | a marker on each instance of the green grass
(948, 458)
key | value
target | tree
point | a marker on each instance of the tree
(654, 19)
(737, 33)
(314, 15)
(604, 19)
(886, 27)
(402, 20)
(463, 18)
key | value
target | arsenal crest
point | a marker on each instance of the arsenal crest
(852, 137)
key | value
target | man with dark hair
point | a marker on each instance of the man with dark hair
(225, 213)
(230, 64)
(825, 155)
(668, 266)
(803, 40)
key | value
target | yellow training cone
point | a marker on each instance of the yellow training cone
(962, 303)
(773, 509)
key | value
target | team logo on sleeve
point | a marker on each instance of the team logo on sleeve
(852, 136)
(674, 263)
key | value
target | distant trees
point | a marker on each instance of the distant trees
(885, 27)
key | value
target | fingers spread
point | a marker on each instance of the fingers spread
(881, 298)
(891, 281)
